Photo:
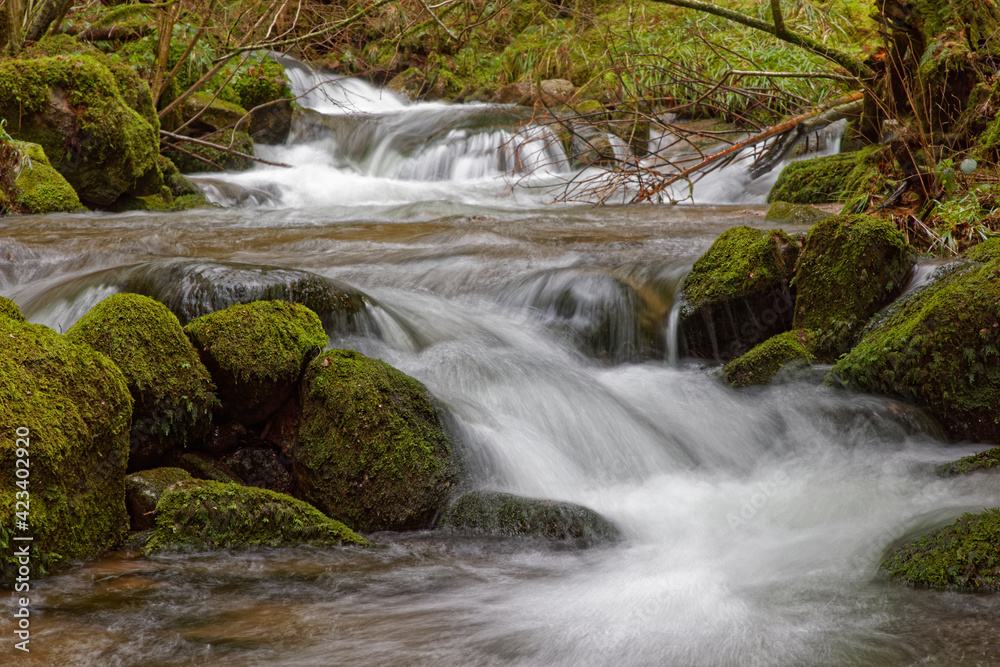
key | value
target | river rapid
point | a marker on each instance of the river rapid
(753, 521)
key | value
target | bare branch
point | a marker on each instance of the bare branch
(219, 147)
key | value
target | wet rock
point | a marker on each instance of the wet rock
(71, 407)
(988, 460)
(372, 450)
(228, 139)
(226, 438)
(783, 352)
(143, 490)
(738, 294)
(795, 213)
(208, 114)
(494, 514)
(849, 269)
(40, 188)
(962, 555)
(832, 178)
(261, 467)
(591, 147)
(256, 353)
(939, 347)
(173, 392)
(202, 516)
(549, 93)
(201, 466)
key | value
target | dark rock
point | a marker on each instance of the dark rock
(261, 467)
(143, 490)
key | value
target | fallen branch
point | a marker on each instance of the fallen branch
(774, 130)
(219, 147)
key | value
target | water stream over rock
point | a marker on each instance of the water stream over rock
(753, 521)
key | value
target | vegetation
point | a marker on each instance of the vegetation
(762, 363)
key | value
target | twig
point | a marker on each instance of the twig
(224, 149)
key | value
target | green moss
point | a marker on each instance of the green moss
(42, 189)
(987, 251)
(204, 516)
(214, 111)
(504, 515)
(738, 293)
(850, 267)
(257, 353)
(76, 405)
(10, 311)
(964, 555)
(742, 261)
(832, 178)
(940, 349)
(73, 108)
(143, 491)
(201, 466)
(262, 81)
(173, 391)
(981, 461)
(372, 451)
(759, 365)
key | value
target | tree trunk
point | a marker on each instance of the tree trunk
(45, 13)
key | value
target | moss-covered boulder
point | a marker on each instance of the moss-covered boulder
(738, 293)
(762, 363)
(65, 412)
(849, 269)
(173, 392)
(229, 139)
(963, 555)
(73, 107)
(263, 90)
(204, 516)
(831, 178)
(938, 348)
(143, 491)
(988, 460)
(257, 353)
(208, 111)
(494, 514)
(42, 189)
(372, 451)
(987, 251)
(202, 466)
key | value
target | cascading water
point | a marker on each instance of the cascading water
(753, 521)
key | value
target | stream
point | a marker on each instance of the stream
(753, 521)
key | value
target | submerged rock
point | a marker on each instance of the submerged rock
(71, 408)
(204, 516)
(738, 294)
(963, 555)
(372, 450)
(143, 491)
(940, 349)
(849, 269)
(256, 353)
(785, 351)
(173, 392)
(494, 514)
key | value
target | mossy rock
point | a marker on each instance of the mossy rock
(76, 405)
(987, 460)
(940, 349)
(143, 491)
(738, 293)
(237, 140)
(178, 185)
(762, 363)
(213, 113)
(10, 311)
(849, 268)
(799, 214)
(73, 107)
(173, 391)
(494, 514)
(205, 516)
(257, 353)
(161, 203)
(962, 556)
(986, 251)
(372, 450)
(831, 178)
(42, 189)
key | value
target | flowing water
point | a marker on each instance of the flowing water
(753, 521)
